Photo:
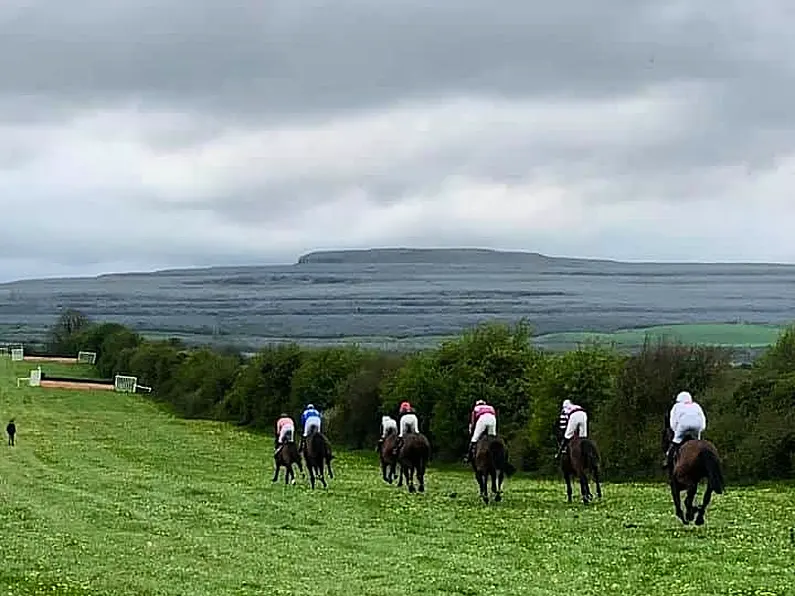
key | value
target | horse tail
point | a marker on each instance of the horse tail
(711, 463)
(499, 456)
(590, 455)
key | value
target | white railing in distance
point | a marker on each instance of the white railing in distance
(17, 354)
(87, 357)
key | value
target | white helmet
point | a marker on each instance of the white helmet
(684, 397)
(480, 402)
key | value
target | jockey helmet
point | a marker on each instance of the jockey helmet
(405, 406)
(480, 402)
(566, 404)
(283, 415)
(684, 397)
(310, 406)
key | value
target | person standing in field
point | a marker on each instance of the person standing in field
(11, 429)
(576, 423)
(483, 420)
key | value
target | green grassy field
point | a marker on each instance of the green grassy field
(728, 335)
(107, 494)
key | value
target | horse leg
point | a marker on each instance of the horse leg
(410, 480)
(400, 478)
(495, 486)
(321, 475)
(421, 476)
(702, 511)
(584, 488)
(484, 488)
(276, 473)
(330, 471)
(690, 510)
(311, 469)
(598, 481)
(675, 490)
(384, 468)
(567, 478)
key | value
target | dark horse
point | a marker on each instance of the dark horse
(696, 459)
(581, 457)
(389, 459)
(285, 458)
(413, 458)
(491, 460)
(317, 452)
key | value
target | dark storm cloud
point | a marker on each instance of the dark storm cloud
(295, 56)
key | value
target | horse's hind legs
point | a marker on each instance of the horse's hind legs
(567, 478)
(598, 482)
(585, 489)
(690, 510)
(421, 478)
(330, 471)
(678, 502)
(484, 487)
(276, 473)
(495, 486)
(702, 511)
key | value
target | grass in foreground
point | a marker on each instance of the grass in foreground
(106, 494)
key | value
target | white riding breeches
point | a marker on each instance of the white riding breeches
(311, 423)
(386, 426)
(286, 434)
(487, 423)
(687, 428)
(409, 423)
(578, 423)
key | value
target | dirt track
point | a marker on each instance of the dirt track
(76, 385)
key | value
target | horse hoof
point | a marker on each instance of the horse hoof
(485, 500)
(699, 521)
(498, 498)
(412, 489)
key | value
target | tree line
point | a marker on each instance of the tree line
(750, 410)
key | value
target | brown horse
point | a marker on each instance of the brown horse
(317, 452)
(696, 459)
(285, 458)
(491, 460)
(413, 457)
(389, 460)
(581, 457)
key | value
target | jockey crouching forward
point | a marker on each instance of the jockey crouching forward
(409, 423)
(285, 431)
(311, 420)
(482, 420)
(387, 423)
(576, 423)
(687, 421)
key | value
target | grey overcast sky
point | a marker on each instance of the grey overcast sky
(201, 132)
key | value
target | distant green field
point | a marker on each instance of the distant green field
(727, 335)
(106, 494)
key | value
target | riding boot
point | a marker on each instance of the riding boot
(563, 446)
(670, 455)
(470, 453)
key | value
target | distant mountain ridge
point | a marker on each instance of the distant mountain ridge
(469, 256)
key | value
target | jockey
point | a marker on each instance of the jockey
(310, 420)
(408, 423)
(482, 420)
(285, 431)
(687, 421)
(576, 423)
(387, 423)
